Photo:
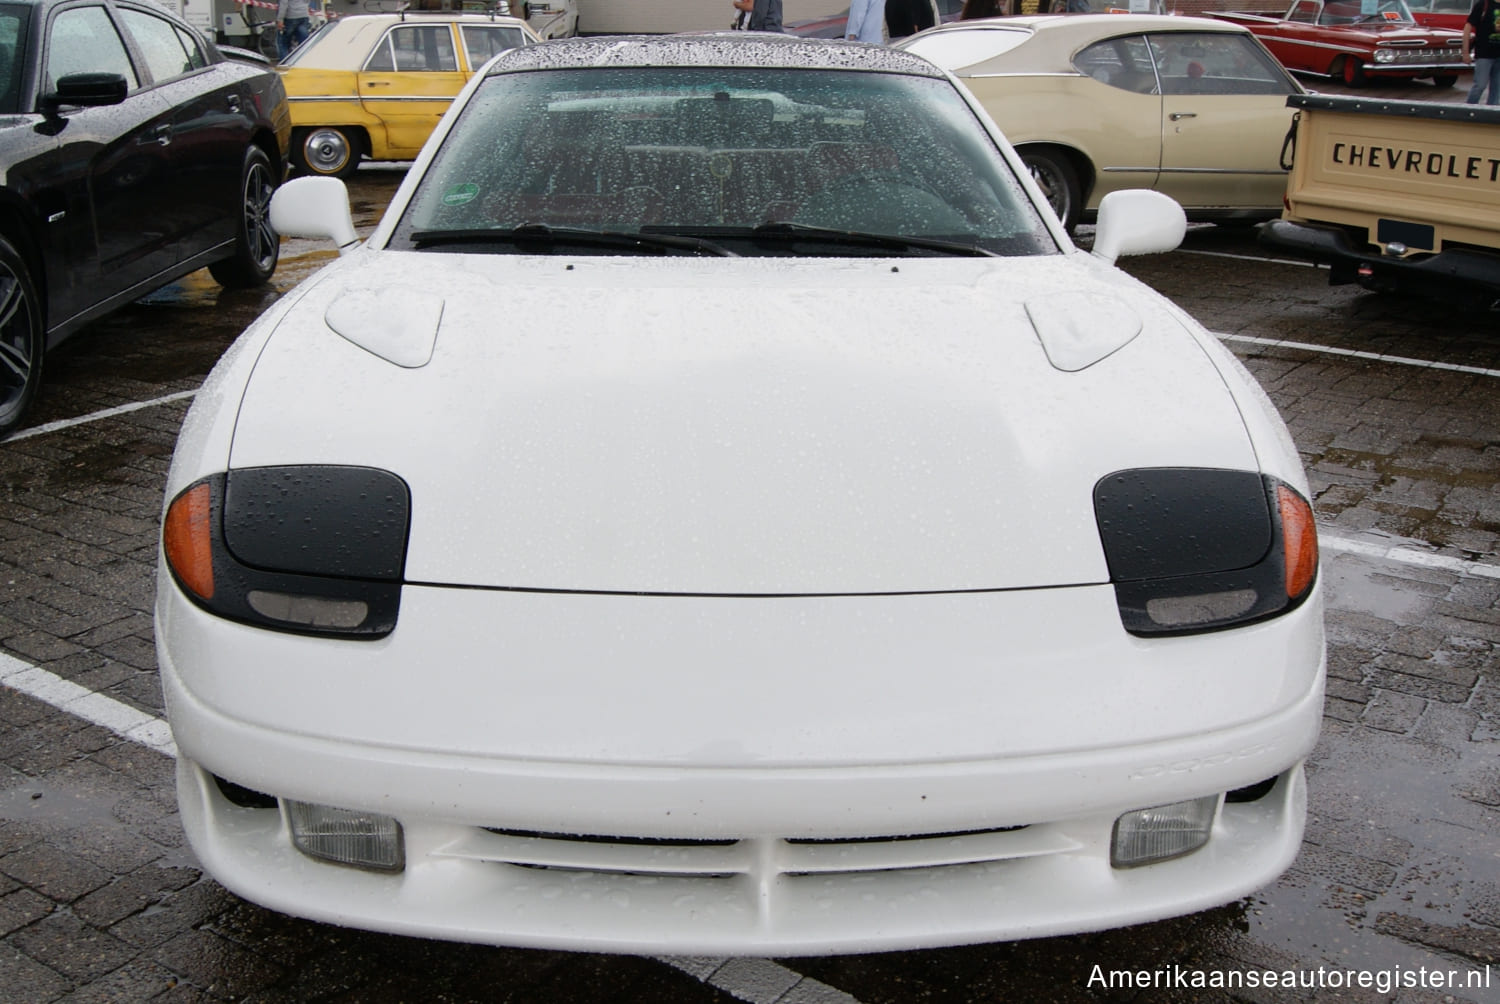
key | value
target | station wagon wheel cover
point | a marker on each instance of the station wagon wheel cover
(327, 151)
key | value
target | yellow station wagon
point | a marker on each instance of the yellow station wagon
(375, 85)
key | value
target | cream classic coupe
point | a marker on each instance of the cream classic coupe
(1095, 103)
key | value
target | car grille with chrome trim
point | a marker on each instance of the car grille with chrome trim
(1413, 56)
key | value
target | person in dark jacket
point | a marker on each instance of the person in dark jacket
(1481, 42)
(759, 15)
(907, 17)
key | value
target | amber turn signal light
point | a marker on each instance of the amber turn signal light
(187, 537)
(1299, 541)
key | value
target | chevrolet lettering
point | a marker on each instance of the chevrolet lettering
(1451, 165)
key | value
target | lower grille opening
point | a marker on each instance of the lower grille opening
(1253, 792)
(584, 838)
(902, 837)
(245, 798)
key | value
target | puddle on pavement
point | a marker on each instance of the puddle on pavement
(1352, 582)
(56, 808)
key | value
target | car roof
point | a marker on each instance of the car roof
(738, 48)
(1055, 38)
(418, 16)
(152, 5)
(346, 42)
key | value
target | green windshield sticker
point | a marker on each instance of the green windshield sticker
(459, 194)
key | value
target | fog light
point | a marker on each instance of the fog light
(345, 837)
(1147, 836)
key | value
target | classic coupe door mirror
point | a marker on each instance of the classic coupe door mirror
(316, 208)
(87, 90)
(1137, 221)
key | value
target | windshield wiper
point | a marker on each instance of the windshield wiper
(553, 237)
(801, 231)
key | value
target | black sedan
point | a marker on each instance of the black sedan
(133, 152)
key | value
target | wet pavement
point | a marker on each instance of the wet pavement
(1399, 877)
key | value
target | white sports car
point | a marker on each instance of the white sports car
(719, 511)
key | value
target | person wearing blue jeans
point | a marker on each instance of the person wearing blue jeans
(866, 21)
(293, 24)
(1483, 30)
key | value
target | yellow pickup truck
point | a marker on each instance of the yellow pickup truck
(1394, 194)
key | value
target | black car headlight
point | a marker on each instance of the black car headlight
(1196, 549)
(309, 549)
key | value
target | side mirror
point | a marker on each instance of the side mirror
(86, 90)
(1137, 221)
(315, 208)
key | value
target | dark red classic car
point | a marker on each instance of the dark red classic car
(1356, 40)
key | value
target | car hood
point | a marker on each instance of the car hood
(1391, 33)
(733, 426)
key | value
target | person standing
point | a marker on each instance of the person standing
(293, 23)
(1483, 30)
(866, 21)
(907, 17)
(763, 15)
(980, 8)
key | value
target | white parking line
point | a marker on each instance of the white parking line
(758, 981)
(97, 709)
(1408, 556)
(124, 409)
(1377, 357)
(1251, 257)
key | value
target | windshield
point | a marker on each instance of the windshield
(12, 56)
(325, 48)
(756, 160)
(1365, 11)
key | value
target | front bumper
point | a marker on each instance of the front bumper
(755, 896)
(1414, 69)
(1436, 274)
(733, 851)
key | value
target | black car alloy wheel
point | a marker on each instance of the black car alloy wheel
(21, 337)
(256, 245)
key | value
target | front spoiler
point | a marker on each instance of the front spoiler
(1453, 269)
(477, 885)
